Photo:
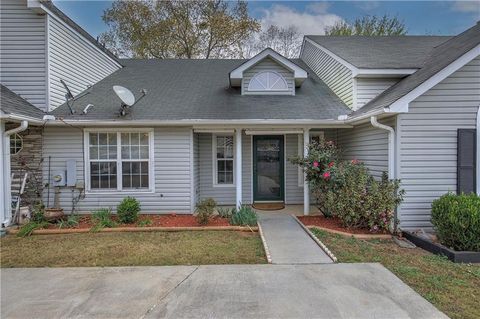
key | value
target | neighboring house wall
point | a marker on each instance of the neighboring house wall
(23, 41)
(268, 65)
(337, 76)
(172, 167)
(368, 88)
(366, 144)
(75, 60)
(428, 142)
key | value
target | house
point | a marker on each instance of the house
(225, 129)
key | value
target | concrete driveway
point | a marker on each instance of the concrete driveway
(228, 291)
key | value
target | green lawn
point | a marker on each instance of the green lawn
(452, 288)
(132, 249)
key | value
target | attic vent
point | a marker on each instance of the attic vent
(267, 81)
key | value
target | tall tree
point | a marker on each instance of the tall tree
(177, 29)
(369, 26)
(285, 40)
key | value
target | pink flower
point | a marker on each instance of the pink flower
(326, 175)
(331, 164)
(330, 143)
(355, 161)
(315, 164)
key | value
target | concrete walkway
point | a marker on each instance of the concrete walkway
(287, 242)
(225, 291)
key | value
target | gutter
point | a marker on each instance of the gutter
(7, 175)
(391, 145)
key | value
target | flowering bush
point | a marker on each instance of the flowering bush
(320, 167)
(346, 189)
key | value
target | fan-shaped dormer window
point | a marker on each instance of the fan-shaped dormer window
(267, 81)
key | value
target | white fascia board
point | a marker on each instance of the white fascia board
(53, 15)
(206, 123)
(401, 105)
(352, 68)
(237, 74)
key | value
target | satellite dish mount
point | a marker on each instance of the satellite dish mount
(127, 98)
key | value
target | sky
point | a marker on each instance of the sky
(311, 17)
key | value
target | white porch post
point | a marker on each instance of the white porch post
(306, 188)
(3, 195)
(238, 167)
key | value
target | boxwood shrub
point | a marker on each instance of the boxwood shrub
(128, 210)
(456, 219)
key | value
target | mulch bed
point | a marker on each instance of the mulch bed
(170, 220)
(334, 224)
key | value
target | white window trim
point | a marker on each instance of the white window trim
(118, 131)
(300, 152)
(215, 164)
(281, 77)
(20, 138)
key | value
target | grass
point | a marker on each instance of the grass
(452, 288)
(132, 249)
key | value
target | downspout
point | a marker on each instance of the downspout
(391, 159)
(391, 145)
(6, 218)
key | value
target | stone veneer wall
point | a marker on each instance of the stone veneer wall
(29, 159)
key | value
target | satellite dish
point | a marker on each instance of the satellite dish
(124, 94)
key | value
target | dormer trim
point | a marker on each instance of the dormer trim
(299, 74)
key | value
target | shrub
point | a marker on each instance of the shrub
(321, 168)
(102, 218)
(128, 210)
(204, 210)
(225, 212)
(456, 219)
(245, 216)
(360, 201)
(38, 213)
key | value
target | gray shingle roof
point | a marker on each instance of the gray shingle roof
(11, 103)
(381, 52)
(199, 89)
(439, 58)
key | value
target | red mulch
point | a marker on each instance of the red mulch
(170, 220)
(333, 223)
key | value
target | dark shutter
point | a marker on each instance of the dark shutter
(466, 164)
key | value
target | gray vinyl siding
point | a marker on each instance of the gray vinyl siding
(23, 51)
(336, 75)
(224, 195)
(368, 88)
(268, 65)
(75, 60)
(428, 142)
(366, 144)
(171, 168)
(293, 192)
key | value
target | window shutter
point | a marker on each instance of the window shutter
(466, 162)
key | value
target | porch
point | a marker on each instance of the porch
(247, 166)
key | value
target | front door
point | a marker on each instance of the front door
(268, 164)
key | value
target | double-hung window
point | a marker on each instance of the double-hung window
(223, 159)
(119, 160)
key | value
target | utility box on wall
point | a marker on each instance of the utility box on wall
(71, 172)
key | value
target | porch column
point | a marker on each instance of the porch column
(306, 188)
(238, 167)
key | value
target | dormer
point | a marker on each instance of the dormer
(268, 73)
